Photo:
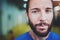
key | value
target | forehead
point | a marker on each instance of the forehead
(40, 4)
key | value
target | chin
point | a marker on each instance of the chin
(41, 34)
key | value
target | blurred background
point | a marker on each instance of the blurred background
(13, 21)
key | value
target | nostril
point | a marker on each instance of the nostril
(41, 20)
(40, 24)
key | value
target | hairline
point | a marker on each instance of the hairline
(27, 6)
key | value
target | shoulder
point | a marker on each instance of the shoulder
(24, 36)
(55, 36)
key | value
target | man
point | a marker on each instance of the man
(40, 16)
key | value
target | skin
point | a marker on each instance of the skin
(40, 16)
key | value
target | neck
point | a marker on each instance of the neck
(35, 37)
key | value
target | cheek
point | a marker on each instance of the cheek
(33, 18)
(50, 18)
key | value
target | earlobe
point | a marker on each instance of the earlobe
(26, 16)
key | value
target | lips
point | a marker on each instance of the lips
(42, 24)
(41, 28)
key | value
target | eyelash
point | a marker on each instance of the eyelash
(48, 10)
(34, 11)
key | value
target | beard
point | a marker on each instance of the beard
(33, 27)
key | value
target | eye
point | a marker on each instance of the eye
(49, 10)
(35, 11)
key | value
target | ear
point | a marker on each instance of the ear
(26, 15)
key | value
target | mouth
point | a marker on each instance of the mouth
(41, 28)
(42, 25)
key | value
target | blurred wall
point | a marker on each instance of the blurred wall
(11, 16)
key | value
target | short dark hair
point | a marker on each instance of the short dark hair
(27, 6)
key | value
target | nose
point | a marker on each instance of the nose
(42, 16)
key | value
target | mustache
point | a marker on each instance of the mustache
(42, 23)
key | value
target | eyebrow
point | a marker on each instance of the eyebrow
(35, 9)
(39, 9)
(49, 8)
